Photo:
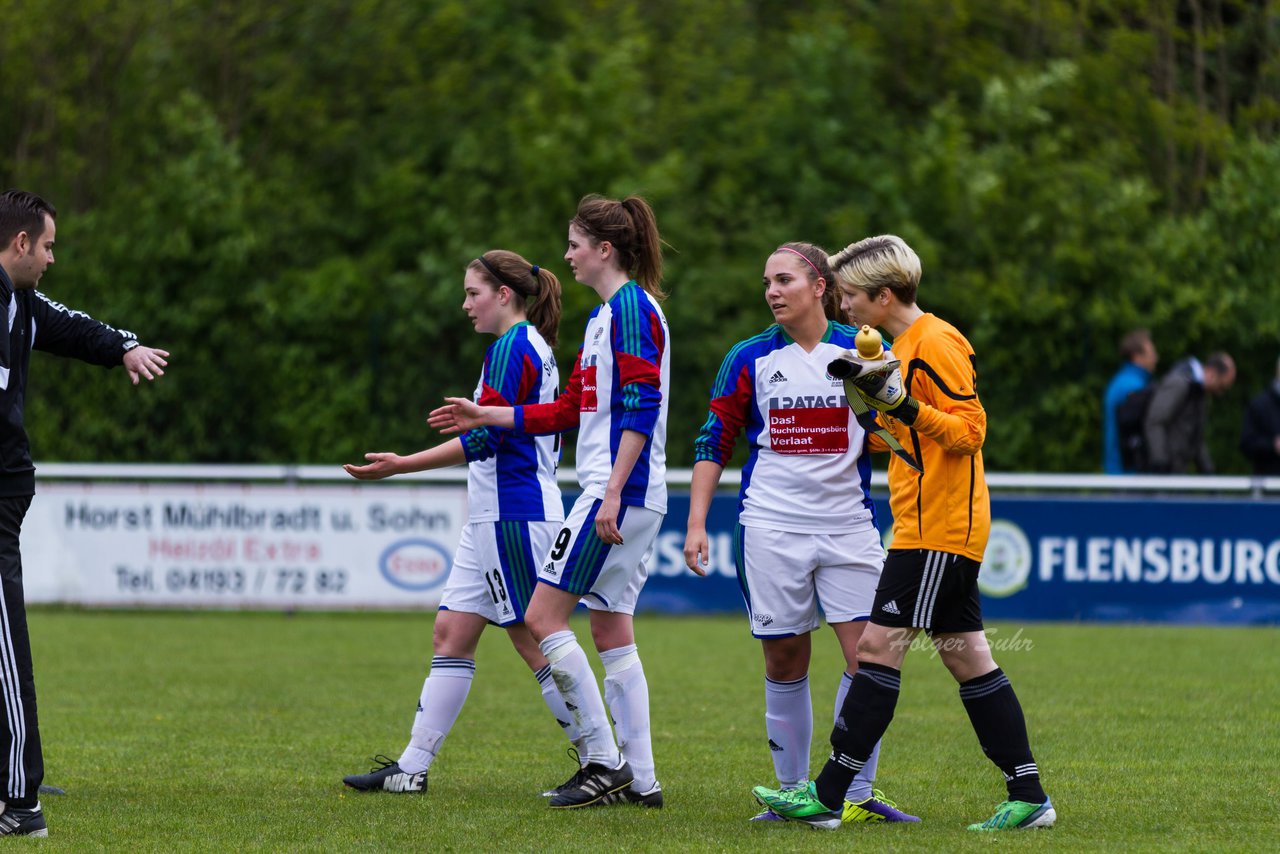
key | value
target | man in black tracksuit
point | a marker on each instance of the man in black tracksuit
(34, 321)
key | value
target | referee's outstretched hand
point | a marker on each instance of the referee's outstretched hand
(145, 362)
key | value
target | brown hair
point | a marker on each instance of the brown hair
(22, 211)
(1134, 343)
(630, 226)
(537, 288)
(818, 267)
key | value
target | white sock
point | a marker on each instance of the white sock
(788, 719)
(860, 788)
(577, 685)
(627, 693)
(551, 696)
(443, 693)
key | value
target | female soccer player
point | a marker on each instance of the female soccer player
(617, 398)
(514, 505)
(941, 521)
(806, 533)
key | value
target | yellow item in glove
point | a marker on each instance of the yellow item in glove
(869, 343)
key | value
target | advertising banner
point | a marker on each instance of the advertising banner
(1159, 559)
(1082, 558)
(230, 546)
(1163, 559)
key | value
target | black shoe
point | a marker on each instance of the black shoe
(651, 798)
(573, 782)
(597, 781)
(20, 821)
(386, 776)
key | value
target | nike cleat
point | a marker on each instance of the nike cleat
(386, 776)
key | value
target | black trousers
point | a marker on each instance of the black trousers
(21, 761)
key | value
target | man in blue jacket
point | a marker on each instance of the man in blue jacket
(1139, 354)
(27, 233)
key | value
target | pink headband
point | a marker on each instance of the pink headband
(803, 258)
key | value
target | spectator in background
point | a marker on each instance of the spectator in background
(1260, 438)
(1138, 352)
(1176, 417)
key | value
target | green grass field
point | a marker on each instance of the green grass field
(231, 732)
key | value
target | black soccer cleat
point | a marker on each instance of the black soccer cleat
(386, 776)
(597, 781)
(19, 821)
(651, 799)
(573, 782)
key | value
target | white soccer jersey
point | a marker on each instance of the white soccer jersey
(807, 471)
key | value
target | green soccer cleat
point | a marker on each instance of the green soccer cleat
(800, 805)
(1019, 815)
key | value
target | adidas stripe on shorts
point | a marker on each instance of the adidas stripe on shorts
(934, 591)
(495, 569)
(607, 577)
(786, 576)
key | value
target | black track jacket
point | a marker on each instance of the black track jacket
(36, 322)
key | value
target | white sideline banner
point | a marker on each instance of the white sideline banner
(241, 545)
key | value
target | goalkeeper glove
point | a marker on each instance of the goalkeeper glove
(878, 382)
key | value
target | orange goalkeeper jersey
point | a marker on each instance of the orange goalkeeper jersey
(946, 507)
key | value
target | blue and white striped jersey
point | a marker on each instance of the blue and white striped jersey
(512, 476)
(619, 382)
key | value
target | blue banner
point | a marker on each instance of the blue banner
(1158, 559)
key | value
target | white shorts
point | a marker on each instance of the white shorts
(786, 576)
(608, 578)
(495, 569)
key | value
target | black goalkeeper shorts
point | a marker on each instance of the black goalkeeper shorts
(934, 591)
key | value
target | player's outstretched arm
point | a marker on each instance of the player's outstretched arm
(148, 362)
(383, 464)
(460, 414)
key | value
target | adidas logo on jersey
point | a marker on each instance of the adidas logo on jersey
(891, 607)
(778, 377)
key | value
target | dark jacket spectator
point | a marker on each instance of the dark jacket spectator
(1178, 412)
(1260, 436)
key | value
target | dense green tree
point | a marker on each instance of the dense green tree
(285, 194)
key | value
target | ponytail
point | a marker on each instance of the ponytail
(543, 308)
(647, 246)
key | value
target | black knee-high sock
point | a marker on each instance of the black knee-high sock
(864, 716)
(997, 719)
